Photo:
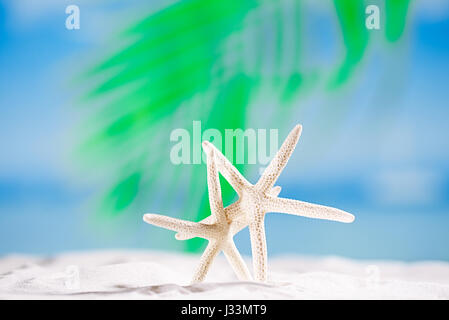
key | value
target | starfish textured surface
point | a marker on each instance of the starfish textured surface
(218, 230)
(256, 200)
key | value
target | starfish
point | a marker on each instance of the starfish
(218, 230)
(256, 200)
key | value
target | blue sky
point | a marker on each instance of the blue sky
(388, 164)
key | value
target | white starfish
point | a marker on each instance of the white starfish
(218, 231)
(256, 200)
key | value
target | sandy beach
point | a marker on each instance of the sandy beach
(158, 275)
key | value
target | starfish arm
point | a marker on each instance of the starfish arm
(213, 185)
(258, 247)
(212, 250)
(234, 211)
(231, 211)
(211, 220)
(238, 225)
(241, 222)
(182, 235)
(231, 174)
(305, 209)
(275, 191)
(230, 215)
(236, 261)
(280, 160)
(193, 229)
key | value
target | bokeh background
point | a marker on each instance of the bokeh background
(86, 116)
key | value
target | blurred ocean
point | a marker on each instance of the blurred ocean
(385, 159)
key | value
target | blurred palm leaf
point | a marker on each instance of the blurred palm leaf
(198, 60)
(395, 15)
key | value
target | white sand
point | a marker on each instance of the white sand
(156, 275)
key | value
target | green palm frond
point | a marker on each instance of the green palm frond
(351, 15)
(198, 60)
(395, 15)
